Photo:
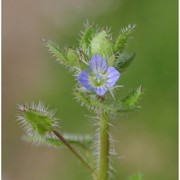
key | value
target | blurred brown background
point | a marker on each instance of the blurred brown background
(147, 138)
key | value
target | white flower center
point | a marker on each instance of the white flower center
(98, 80)
(99, 77)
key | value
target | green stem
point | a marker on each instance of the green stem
(104, 148)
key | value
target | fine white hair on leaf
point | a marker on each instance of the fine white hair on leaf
(36, 108)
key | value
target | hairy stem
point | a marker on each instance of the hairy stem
(61, 138)
(104, 148)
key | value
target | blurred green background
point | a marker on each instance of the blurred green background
(147, 138)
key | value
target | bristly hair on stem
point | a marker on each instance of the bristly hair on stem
(97, 64)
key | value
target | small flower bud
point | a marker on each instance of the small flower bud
(102, 45)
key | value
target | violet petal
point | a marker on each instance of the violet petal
(112, 75)
(97, 64)
(84, 80)
(100, 90)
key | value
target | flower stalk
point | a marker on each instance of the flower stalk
(104, 148)
(61, 138)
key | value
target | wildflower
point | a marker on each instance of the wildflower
(100, 77)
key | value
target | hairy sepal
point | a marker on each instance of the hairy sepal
(123, 61)
(130, 101)
(94, 104)
(123, 38)
(86, 37)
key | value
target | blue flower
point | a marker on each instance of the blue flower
(100, 77)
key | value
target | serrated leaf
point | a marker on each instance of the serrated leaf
(137, 176)
(123, 61)
(123, 37)
(130, 100)
(101, 44)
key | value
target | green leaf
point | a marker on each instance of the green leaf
(92, 103)
(102, 45)
(86, 37)
(81, 140)
(73, 58)
(36, 118)
(130, 100)
(82, 97)
(123, 37)
(111, 60)
(138, 176)
(60, 57)
(55, 51)
(48, 140)
(124, 61)
(39, 122)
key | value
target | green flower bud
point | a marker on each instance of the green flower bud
(102, 45)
